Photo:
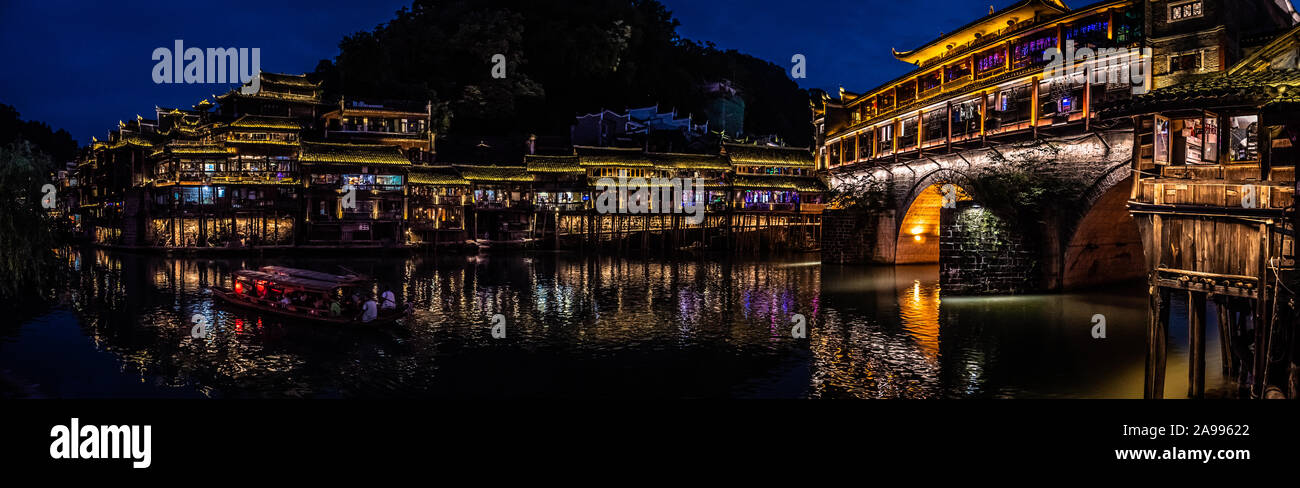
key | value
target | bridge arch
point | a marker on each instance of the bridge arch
(917, 233)
(1103, 245)
(1099, 244)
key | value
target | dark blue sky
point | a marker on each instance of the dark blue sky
(83, 66)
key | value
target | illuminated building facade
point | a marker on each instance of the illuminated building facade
(279, 167)
(993, 80)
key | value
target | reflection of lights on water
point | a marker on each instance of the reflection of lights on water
(916, 291)
(800, 265)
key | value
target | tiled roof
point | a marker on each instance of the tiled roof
(553, 164)
(361, 154)
(690, 161)
(495, 173)
(435, 175)
(134, 140)
(289, 80)
(742, 154)
(778, 183)
(630, 157)
(1219, 89)
(266, 122)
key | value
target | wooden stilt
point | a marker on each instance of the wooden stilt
(1261, 315)
(1225, 336)
(1157, 335)
(1196, 344)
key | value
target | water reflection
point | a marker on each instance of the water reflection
(587, 326)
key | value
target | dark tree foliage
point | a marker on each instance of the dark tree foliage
(564, 58)
(28, 266)
(1027, 191)
(30, 153)
(58, 145)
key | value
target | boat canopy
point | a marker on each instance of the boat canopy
(293, 282)
(311, 275)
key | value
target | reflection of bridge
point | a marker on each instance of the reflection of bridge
(739, 230)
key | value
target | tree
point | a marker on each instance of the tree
(58, 145)
(1027, 190)
(563, 58)
(28, 266)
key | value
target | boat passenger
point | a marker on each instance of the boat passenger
(389, 301)
(369, 311)
(336, 309)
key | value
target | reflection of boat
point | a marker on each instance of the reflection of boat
(309, 294)
(496, 245)
(696, 246)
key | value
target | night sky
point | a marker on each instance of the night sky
(82, 66)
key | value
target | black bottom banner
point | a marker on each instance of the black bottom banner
(223, 438)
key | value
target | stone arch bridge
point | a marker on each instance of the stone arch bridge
(1092, 240)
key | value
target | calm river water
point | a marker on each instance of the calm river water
(588, 326)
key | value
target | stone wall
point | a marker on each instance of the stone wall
(844, 236)
(857, 238)
(980, 255)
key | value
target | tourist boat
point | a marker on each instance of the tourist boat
(263, 290)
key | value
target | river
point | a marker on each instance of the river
(583, 326)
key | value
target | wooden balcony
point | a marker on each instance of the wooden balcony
(1221, 186)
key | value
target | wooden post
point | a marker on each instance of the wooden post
(1087, 98)
(1157, 335)
(1137, 158)
(1261, 314)
(1033, 106)
(1196, 344)
(948, 142)
(1221, 305)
